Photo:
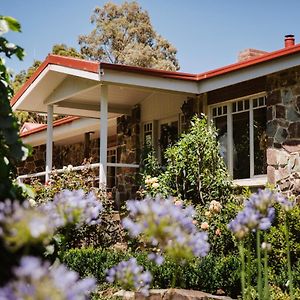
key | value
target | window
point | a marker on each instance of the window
(168, 135)
(148, 133)
(241, 126)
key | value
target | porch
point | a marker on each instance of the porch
(108, 105)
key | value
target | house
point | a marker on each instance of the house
(255, 104)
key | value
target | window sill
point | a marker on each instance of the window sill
(257, 181)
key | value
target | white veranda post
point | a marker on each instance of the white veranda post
(49, 145)
(103, 136)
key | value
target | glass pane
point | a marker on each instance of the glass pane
(168, 136)
(214, 112)
(224, 110)
(240, 105)
(261, 101)
(241, 153)
(220, 111)
(221, 125)
(246, 104)
(255, 104)
(234, 107)
(260, 141)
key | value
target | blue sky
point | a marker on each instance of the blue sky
(207, 33)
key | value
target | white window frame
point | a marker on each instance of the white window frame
(230, 130)
(153, 124)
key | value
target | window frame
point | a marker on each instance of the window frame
(229, 115)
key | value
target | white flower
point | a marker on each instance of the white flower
(25, 153)
(204, 226)
(3, 27)
(155, 185)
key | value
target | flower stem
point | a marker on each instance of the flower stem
(242, 255)
(248, 271)
(259, 269)
(290, 276)
(266, 276)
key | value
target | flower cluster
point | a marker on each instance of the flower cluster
(167, 226)
(258, 213)
(74, 207)
(22, 224)
(215, 207)
(36, 280)
(130, 276)
(152, 182)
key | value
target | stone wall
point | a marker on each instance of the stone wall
(63, 155)
(128, 151)
(283, 125)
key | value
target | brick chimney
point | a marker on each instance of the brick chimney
(289, 40)
(249, 54)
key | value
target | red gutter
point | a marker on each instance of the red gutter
(250, 62)
(56, 123)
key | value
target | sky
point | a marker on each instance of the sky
(207, 33)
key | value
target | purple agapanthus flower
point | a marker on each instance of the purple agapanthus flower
(35, 279)
(258, 213)
(22, 224)
(170, 227)
(74, 207)
(130, 276)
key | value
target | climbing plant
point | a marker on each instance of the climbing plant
(12, 149)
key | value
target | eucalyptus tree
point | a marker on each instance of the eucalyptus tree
(123, 34)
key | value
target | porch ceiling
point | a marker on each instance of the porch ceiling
(78, 92)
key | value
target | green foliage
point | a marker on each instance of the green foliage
(11, 148)
(220, 238)
(123, 34)
(194, 168)
(276, 237)
(149, 163)
(208, 274)
(108, 233)
(64, 50)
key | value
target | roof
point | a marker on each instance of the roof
(95, 67)
(42, 127)
(27, 126)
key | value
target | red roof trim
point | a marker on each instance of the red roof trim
(250, 62)
(94, 67)
(147, 71)
(70, 62)
(56, 123)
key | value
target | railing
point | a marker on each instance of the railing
(77, 168)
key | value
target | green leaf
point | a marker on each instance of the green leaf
(12, 23)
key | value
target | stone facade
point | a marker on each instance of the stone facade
(128, 151)
(63, 155)
(283, 125)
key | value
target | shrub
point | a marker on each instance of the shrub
(209, 274)
(194, 168)
(105, 234)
